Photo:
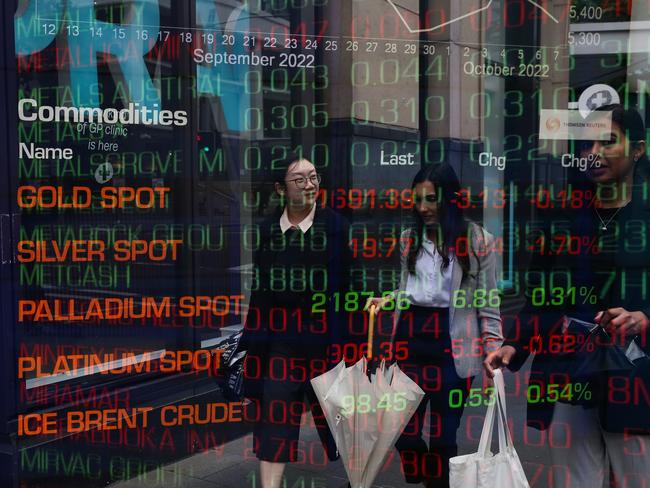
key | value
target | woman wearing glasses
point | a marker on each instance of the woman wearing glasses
(303, 259)
(448, 273)
(606, 429)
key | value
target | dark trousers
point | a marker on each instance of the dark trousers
(431, 365)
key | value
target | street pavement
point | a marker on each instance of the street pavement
(233, 465)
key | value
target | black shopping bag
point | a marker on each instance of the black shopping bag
(596, 351)
(590, 355)
(230, 376)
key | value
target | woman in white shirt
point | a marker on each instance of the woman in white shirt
(448, 273)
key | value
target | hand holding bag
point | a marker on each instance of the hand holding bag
(596, 352)
(483, 469)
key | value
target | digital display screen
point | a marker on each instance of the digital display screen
(287, 243)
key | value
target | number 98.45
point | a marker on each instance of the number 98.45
(395, 402)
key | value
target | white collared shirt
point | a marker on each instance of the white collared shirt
(431, 285)
(304, 226)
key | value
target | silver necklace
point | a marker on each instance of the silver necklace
(605, 224)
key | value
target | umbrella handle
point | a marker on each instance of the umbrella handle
(371, 329)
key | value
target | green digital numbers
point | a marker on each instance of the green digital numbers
(459, 398)
(479, 299)
(364, 404)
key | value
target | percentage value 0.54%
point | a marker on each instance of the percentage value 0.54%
(559, 296)
(570, 392)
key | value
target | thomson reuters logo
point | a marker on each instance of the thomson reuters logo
(553, 124)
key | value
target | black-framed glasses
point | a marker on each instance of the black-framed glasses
(301, 183)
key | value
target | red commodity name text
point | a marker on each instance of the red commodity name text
(79, 251)
(85, 364)
(82, 197)
(51, 423)
(81, 310)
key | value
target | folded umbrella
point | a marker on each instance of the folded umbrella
(405, 396)
(366, 413)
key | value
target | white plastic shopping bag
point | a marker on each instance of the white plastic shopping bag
(483, 469)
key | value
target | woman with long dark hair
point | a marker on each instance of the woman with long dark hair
(602, 415)
(448, 274)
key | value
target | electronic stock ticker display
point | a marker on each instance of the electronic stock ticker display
(479, 164)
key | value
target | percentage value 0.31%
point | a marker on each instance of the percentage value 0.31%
(559, 296)
(570, 392)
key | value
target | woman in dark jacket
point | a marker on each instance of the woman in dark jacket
(303, 259)
(603, 415)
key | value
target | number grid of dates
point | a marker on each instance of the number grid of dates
(528, 61)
